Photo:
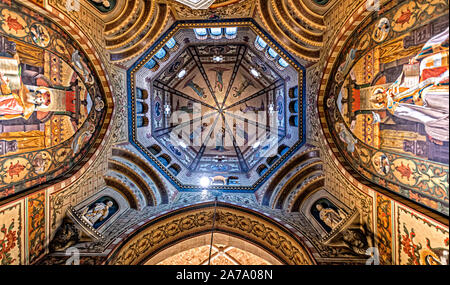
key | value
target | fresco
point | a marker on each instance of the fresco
(50, 103)
(98, 212)
(384, 229)
(225, 105)
(327, 214)
(387, 104)
(420, 241)
(36, 226)
(11, 235)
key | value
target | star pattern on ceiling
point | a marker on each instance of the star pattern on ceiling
(220, 104)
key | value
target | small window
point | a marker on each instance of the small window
(141, 121)
(151, 64)
(293, 92)
(293, 106)
(164, 159)
(175, 169)
(233, 180)
(271, 54)
(141, 94)
(171, 43)
(161, 54)
(230, 33)
(282, 63)
(201, 33)
(293, 121)
(154, 149)
(216, 33)
(283, 149)
(139, 108)
(260, 44)
(271, 159)
(261, 170)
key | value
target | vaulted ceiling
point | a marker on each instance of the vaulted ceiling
(223, 131)
(220, 104)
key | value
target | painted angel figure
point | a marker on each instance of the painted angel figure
(421, 93)
(98, 213)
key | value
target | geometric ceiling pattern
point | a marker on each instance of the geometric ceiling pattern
(216, 106)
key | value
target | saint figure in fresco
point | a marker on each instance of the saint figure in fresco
(421, 93)
(346, 136)
(220, 139)
(330, 216)
(98, 213)
(196, 88)
(219, 77)
(19, 102)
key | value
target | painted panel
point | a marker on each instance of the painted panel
(387, 104)
(51, 107)
(384, 229)
(11, 235)
(98, 212)
(420, 240)
(36, 226)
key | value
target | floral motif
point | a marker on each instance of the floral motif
(7, 243)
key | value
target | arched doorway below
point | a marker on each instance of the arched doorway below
(226, 250)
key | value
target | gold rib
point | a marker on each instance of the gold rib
(125, 37)
(301, 51)
(298, 6)
(286, 7)
(123, 22)
(280, 16)
(148, 39)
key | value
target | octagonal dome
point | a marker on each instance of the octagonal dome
(216, 105)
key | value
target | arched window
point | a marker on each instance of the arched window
(154, 149)
(282, 64)
(293, 106)
(293, 121)
(141, 94)
(233, 180)
(141, 108)
(230, 33)
(261, 170)
(283, 149)
(271, 54)
(171, 43)
(164, 159)
(260, 44)
(216, 33)
(151, 64)
(161, 54)
(293, 92)
(272, 159)
(175, 169)
(201, 33)
(141, 121)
